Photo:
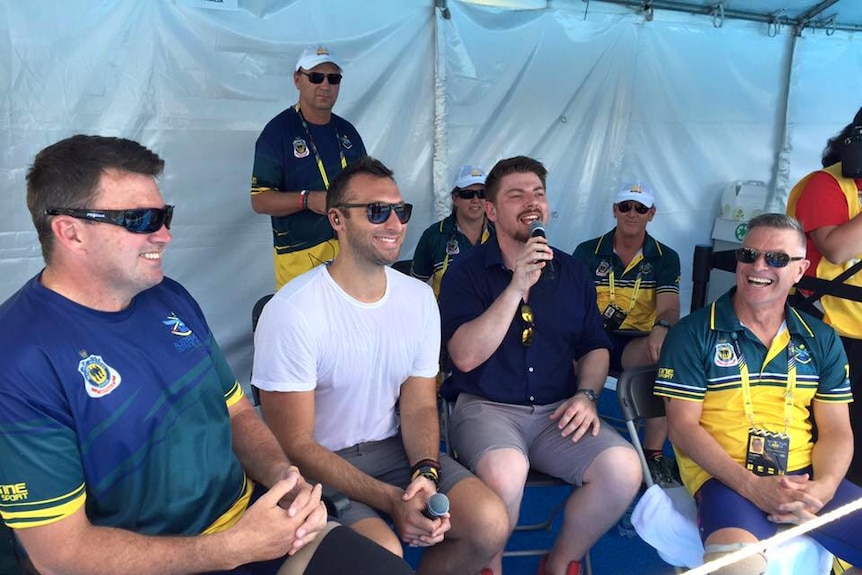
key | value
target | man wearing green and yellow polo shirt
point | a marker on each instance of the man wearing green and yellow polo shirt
(460, 231)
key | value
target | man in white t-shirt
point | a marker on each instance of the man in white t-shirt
(346, 360)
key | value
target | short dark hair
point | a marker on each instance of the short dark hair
(67, 174)
(364, 165)
(832, 151)
(777, 221)
(518, 164)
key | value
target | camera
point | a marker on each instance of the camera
(851, 154)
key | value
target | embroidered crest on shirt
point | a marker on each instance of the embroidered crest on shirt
(801, 353)
(100, 379)
(345, 142)
(725, 355)
(452, 247)
(178, 327)
(603, 269)
(645, 268)
(300, 148)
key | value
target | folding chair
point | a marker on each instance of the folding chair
(255, 316)
(637, 402)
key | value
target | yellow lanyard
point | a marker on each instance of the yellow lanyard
(612, 290)
(311, 143)
(746, 384)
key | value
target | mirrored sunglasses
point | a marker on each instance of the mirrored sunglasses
(772, 258)
(470, 194)
(140, 221)
(318, 77)
(529, 326)
(627, 206)
(378, 212)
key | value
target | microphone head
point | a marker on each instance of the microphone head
(438, 504)
(537, 229)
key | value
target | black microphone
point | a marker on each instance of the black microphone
(537, 230)
(438, 505)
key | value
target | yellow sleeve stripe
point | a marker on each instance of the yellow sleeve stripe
(234, 395)
(43, 516)
(261, 190)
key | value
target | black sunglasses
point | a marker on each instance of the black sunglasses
(772, 259)
(470, 194)
(627, 205)
(317, 77)
(378, 212)
(529, 326)
(140, 221)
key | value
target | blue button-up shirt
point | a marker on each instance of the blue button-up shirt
(567, 326)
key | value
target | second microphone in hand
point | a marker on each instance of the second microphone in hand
(438, 505)
(537, 230)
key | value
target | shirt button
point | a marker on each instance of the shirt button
(532, 398)
(530, 369)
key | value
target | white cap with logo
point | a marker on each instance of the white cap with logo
(636, 191)
(469, 175)
(315, 56)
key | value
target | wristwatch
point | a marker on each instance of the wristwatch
(591, 395)
(662, 323)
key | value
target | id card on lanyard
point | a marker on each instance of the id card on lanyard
(614, 315)
(767, 451)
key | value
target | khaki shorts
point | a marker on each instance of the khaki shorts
(478, 426)
(386, 461)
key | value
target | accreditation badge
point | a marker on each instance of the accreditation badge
(613, 317)
(767, 452)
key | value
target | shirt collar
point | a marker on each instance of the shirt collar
(723, 317)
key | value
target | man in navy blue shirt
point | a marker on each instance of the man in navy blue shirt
(529, 357)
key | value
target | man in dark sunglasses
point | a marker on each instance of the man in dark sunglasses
(297, 156)
(744, 380)
(338, 351)
(637, 284)
(116, 393)
(529, 359)
(459, 232)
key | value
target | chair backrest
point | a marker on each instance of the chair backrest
(258, 309)
(403, 266)
(637, 402)
(255, 316)
(634, 392)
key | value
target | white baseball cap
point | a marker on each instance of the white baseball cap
(469, 175)
(315, 56)
(636, 191)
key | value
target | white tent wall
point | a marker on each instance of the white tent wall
(674, 101)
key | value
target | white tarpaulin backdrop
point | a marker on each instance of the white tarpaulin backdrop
(601, 100)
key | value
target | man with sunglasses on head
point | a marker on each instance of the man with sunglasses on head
(513, 336)
(343, 351)
(459, 232)
(296, 158)
(127, 443)
(637, 283)
(743, 381)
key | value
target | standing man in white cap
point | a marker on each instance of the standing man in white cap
(637, 284)
(460, 231)
(296, 157)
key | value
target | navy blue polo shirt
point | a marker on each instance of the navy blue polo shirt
(567, 326)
